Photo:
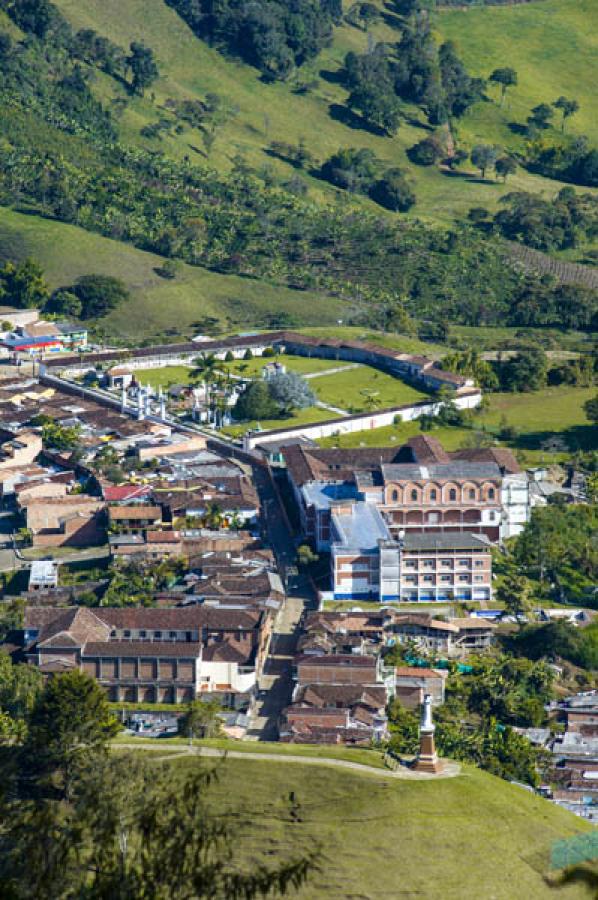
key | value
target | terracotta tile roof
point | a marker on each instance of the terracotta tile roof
(121, 492)
(417, 672)
(147, 649)
(179, 618)
(135, 512)
(73, 626)
(340, 660)
(227, 652)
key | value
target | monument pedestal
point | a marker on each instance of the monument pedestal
(427, 758)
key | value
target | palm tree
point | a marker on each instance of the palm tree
(371, 399)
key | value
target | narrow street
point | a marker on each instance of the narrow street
(276, 684)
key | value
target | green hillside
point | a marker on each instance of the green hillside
(266, 112)
(460, 838)
(552, 45)
(158, 307)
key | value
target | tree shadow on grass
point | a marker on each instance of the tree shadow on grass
(331, 77)
(578, 437)
(352, 120)
(517, 128)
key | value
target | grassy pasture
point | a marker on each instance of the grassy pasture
(456, 839)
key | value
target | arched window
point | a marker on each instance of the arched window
(414, 495)
(452, 494)
(394, 496)
(472, 493)
(433, 494)
(491, 493)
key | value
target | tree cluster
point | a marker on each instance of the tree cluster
(272, 35)
(79, 821)
(277, 396)
(564, 221)
(359, 171)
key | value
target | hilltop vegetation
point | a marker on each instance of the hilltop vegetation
(129, 124)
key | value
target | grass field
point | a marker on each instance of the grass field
(537, 417)
(461, 838)
(351, 389)
(552, 45)
(169, 310)
(266, 112)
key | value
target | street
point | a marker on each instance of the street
(276, 684)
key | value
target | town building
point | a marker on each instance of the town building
(367, 563)
(147, 655)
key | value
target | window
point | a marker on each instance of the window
(428, 579)
(414, 495)
(127, 633)
(445, 579)
(479, 563)
(464, 578)
(463, 562)
(157, 635)
(433, 494)
(394, 496)
(428, 563)
(446, 563)
(492, 515)
(142, 634)
(172, 634)
(478, 577)
(491, 493)
(452, 494)
(471, 494)
(410, 564)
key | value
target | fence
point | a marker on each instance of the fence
(575, 850)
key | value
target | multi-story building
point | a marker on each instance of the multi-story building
(368, 563)
(151, 655)
(419, 486)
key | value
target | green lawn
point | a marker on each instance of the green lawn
(350, 390)
(165, 377)
(301, 364)
(462, 838)
(366, 757)
(537, 416)
(299, 417)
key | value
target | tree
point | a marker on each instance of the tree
(65, 303)
(201, 719)
(23, 285)
(136, 829)
(506, 78)
(380, 108)
(19, 687)
(306, 556)
(291, 391)
(393, 191)
(541, 115)
(142, 64)
(514, 593)
(567, 108)
(99, 294)
(505, 166)
(469, 362)
(591, 409)
(483, 156)
(426, 152)
(256, 402)
(60, 437)
(354, 170)
(69, 724)
(526, 371)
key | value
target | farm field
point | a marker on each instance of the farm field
(447, 836)
(537, 416)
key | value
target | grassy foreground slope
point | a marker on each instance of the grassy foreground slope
(461, 838)
(266, 112)
(158, 307)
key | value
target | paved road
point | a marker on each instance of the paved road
(450, 771)
(276, 683)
